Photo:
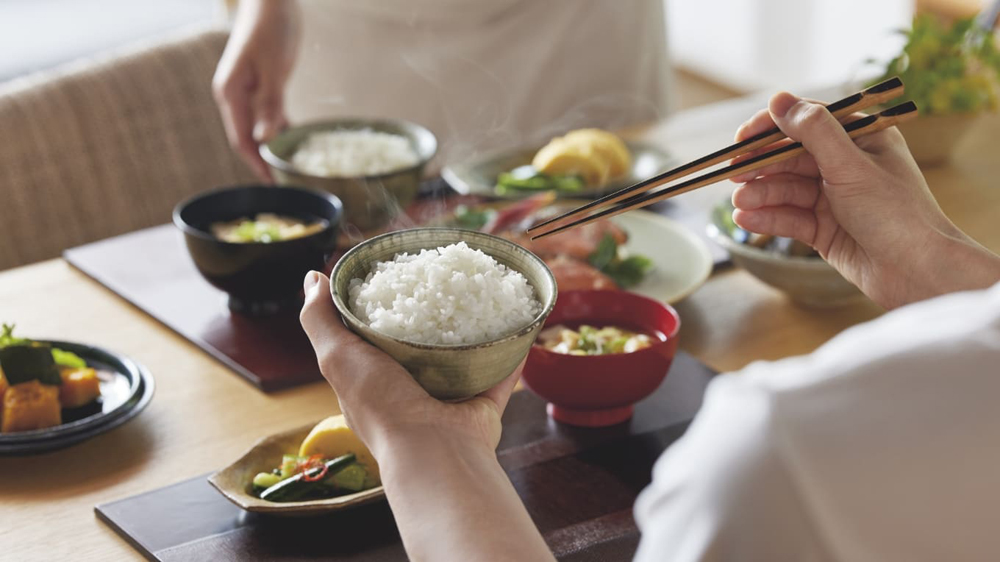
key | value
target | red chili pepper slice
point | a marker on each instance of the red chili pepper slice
(314, 462)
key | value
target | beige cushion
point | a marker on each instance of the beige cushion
(109, 146)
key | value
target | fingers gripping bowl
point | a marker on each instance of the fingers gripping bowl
(448, 370)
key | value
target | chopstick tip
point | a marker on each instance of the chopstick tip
(890, 84)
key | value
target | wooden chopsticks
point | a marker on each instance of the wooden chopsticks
(631, 197)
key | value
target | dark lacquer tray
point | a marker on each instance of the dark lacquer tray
(578, 484)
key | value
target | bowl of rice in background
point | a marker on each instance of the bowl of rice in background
(458, 309)
(373, 165)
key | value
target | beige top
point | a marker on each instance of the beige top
(483, 73)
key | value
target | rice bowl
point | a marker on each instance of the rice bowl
(448, 295)
(345, 153)
(450, 370)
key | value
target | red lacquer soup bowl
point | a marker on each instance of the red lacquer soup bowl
(600, 390)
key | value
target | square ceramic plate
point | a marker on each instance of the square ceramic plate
(234, 480)
(478, 176)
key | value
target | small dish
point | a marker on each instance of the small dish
(479, 176)
(234, 481)
(809, 281)
(447, 372)
(369, 201)
(126, 389)
(601, 390)
(260, 278)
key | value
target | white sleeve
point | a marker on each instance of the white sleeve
(723, 492)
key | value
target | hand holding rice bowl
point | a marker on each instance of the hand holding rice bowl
(496, 273)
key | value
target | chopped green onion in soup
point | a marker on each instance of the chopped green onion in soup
(589, 340)
(265, 227)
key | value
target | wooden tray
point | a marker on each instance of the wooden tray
(578, 484)
(152, 270)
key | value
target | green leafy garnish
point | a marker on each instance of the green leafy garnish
(473, 219)
(630, 271)
(256, 231)
(626, 272)
(7, 337)
(606, 252)
(948, 69)
(27, 362)
(67, 358)
(59, 356)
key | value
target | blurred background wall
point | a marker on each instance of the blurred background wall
(752, 45)
(720, 48)
(40, 34)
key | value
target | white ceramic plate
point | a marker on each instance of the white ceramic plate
(682, 262)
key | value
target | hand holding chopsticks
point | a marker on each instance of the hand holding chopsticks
(641, 194)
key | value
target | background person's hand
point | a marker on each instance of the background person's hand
(250, 79)
(379, 398)
(863, 205)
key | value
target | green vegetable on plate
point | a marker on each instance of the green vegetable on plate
(627, 272)
(526, 178)
(23, 363)
(302, 478)
(471, 218)
(60, 357)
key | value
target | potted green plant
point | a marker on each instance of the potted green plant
(952, 73)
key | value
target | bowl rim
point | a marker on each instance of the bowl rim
(668, 340)
(536, 322)
(191, 230)
(286, 166)
(727, 242)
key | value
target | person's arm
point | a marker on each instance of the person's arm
(864, 206)
(249, 83)
(449, 495)
(453, 501)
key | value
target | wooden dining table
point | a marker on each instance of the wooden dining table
(202, 416)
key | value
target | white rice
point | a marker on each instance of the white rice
(353, 153)
(450, 295)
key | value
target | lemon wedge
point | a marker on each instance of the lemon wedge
(332, 438)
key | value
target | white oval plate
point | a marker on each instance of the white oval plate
(681, 260)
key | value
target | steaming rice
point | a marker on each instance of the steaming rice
(353, 153)
(449, 295)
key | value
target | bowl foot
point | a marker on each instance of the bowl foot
(590, 418)
(263, 307)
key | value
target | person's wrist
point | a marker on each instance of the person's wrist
(387, 440)
(398, 451)
(948, 261)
